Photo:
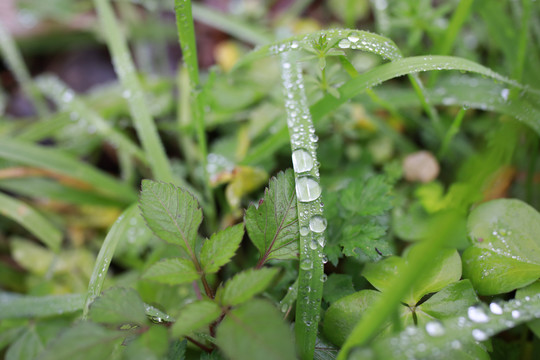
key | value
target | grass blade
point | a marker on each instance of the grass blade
(14, 61)
(60, 162)
(310, 217)
(123, 64)
(14, 306)
(31, 220)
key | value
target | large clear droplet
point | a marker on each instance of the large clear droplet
(322, 241)
(302, 160)
(477, 314)
(307, 189)
(306, 264)
(495, 308)
(317, 223)
(313, 244)
(434, 328)
(479, 335)
(344, 44)
(304, 230)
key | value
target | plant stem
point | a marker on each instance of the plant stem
(133, 92)
(523, 39)
(454, 129)
(186, 35)
(308, 189)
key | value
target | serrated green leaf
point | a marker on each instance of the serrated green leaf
(18, 306)
(446, 270)
(506, 250)
(151, 345)
(27, 346)
(220, 248)
(247, 284)
(453, 299)
(84, 341)
(337, 286)
(177, 350)
(256, 330)
(194, 316)
(369, 197)
(365, 236)
(172, 213)
(273, 224)
(118, 306)
(172, 271)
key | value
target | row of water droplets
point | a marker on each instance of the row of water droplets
(481, 322)
(308, 191)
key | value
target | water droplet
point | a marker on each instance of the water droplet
(307, 189)
(313, 244)
(495, 308)
(284, 307)
(322, 241)
(504, 94)
(477, 314)
(306, 264)
(479, 335)
(324, 277)
(302, 160)
(435, 328)
(304, 230)
(294, 45)
(317, 223)
(324, 259)
(344, 44)
(516, 314)
(353, 38)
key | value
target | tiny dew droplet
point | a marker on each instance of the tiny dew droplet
(322, 241)
(516, 314)
(306, 264)
(302, 160)
(313, 244)
(353, 38)
(477, 314)
(324, 277)
(304, 230)
(307, 189)
(495, 308)
(284, 307)
(344, 44)
(479, 335)
(434, 328)
(324, 259)
(317, 223)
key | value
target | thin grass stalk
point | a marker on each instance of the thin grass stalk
(310, 215)
(454, 129)
(523, 39)
(15, 62)
(186, 35)
(133, 92)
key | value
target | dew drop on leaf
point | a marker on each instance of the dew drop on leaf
(304, 230)
(435, 328)
(313, 245)
(302, 160)
(324, 277)
(344, 44)
(317, 223)
(306, 264)
(477, 314)
(495, 308)
(307, 189)
(479, 335)
(516, 314)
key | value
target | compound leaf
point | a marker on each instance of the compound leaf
(247, 284)
(172, 271)
(194, 316)
(220, 248)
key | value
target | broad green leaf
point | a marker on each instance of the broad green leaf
(172, 213)
(337, 286)
(177, 350)
(172, 271)
(273, 224)
(453, 299)
(256, 330)
(31, 220)
(194, 316)
(118, 306)
(220, 248)
(342, 315)
(84, 341)
(247, 284)
(446, 269)
(151, 345)
(454, 337)
(28, 346)
(530, 291)
(506, 250)
(19, 306)
(369, 197)
(365, 236)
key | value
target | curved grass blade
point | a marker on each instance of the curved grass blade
(58, 161)
(130, 218)
(310, 216)
(31, 220)
(66, 99)
(14, 306)
(133, 92)
(445, 340)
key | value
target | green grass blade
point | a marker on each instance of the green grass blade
(138, 105)
(129, 219)
(60, 162)
(523, 39)
(49, 127)
(31, 220)
(66, 99)
(231, 25)
(15, 62)
(310, 216)
(14, 306)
